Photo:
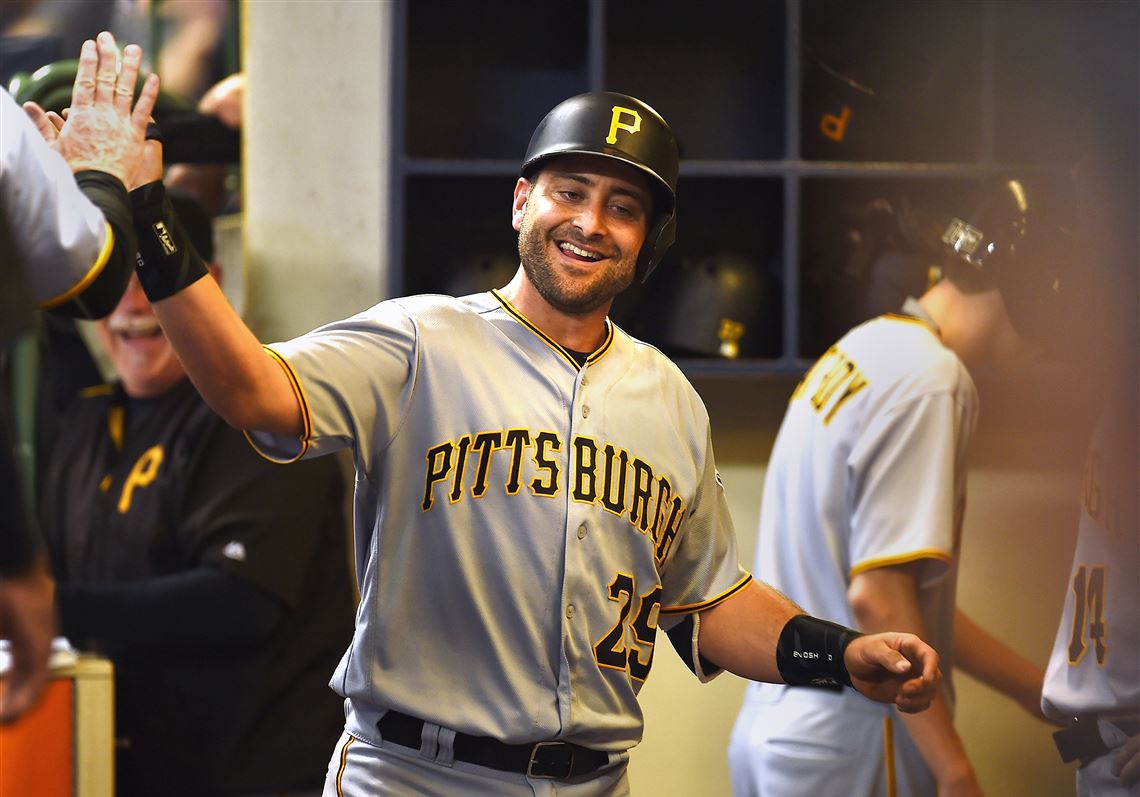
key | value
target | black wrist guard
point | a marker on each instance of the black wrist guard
(810, 653)
(167, 261)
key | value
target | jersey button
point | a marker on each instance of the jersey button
(582, 531)
(570, 611)
(585, 410)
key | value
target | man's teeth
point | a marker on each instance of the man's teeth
(136, 327)
(569, 247)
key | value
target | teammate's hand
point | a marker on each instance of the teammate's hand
(101, 131)
(1126, 763)
(27, 619)
(150, 169)
(894, 668)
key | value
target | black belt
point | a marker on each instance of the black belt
(1082, 739)
(556, 760)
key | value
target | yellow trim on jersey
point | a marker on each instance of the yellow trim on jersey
(901, 559)
(910, 319)
(343, 763)
(549, 341)
(91, 275)
(302, 403)
(599, 352)
(95, 390)
(689, 608)
(115, 417)
(889, 755)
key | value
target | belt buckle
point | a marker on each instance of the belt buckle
(545, 769)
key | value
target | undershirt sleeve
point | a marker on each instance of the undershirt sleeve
(181, 612)
(19, 540)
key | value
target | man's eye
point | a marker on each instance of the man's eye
(625, 212)
(569, 196)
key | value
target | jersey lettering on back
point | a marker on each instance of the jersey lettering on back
(833, 380)
(1100, 500)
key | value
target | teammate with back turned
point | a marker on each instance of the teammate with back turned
(1092, 681)
(522, 527)
(864, 497)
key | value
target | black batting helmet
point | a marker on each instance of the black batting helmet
(1021, 240)
(626, 129)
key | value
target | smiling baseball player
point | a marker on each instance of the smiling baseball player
(536, 491)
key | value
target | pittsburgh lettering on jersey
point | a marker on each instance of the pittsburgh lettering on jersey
(600, 473)
(830, 383)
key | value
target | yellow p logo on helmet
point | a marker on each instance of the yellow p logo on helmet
(617, 124)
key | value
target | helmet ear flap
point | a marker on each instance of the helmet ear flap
(657, 241)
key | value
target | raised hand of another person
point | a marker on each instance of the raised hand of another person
(894, 668)
(1126, 764)
(102, 132)
(27, 619)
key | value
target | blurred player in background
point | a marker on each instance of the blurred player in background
(863, 503)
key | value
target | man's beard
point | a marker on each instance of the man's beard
(558, 292)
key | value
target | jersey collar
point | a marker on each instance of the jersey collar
(558, 348)
(914, 312)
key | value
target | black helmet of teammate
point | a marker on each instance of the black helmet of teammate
(626, 129)
(1020, 239)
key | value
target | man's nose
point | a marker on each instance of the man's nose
(591, 219)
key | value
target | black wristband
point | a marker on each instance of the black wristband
(810, 653)
(167, 261)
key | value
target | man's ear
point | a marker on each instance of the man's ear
(518, 208)
(215, 270)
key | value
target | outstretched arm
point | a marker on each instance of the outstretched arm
(752, 634)
(223, 358)
(235, 376)
(1126, 763)
(995, 664)
(887, 597)
(74, 239)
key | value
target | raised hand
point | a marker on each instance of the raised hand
(102, 132)
(26, 618)
(894, 668)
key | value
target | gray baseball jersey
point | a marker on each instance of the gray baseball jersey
(58, 225)
(1095, 664)
(868, 470)
(522, 525)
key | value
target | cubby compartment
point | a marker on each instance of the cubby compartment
(890, 80)
(715, 73)
(480, 76)
(458, 234)
(718, 293)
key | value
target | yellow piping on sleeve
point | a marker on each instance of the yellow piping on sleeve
(303, 405)
(689, 608)
(91, 275)
(902, 558)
